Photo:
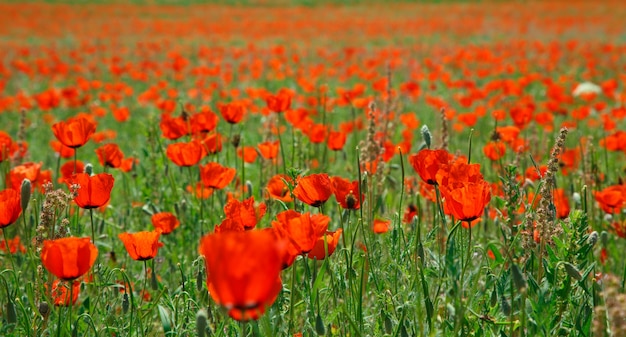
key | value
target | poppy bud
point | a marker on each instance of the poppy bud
(11, 314)
(426, 135)
(25, 193)
(577, 198)
(518, 278)
(506, 307)
(494, 297)
(403, 331)
(235, 140)
(153, 280)
(319, 325)
(388, 324)
(249, 188)
(201, 323)
(44, 309)
(593, 238)
(604, 238)
(89, 169)
(125, 303)
(199, 280)
(572, 271)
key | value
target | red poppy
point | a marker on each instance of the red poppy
(277, 189)
(336, 140)
(199, 191)
(347, 193)
(173, 128)
(381, 226)
(61, 295)
(494, 150)
(68, 258)
(247, 153)
(110, 155)
(141, 246)
(62, 150)
(280, 102)
(320, 249)
(30, 171)
(561, 203)
(7, 146)
(427, 163)
(300, 230)
(244, 212)
(15, 245)
(232, 112)
(67, 169)
(94, 191)
(204, 121)
(185, 154)
(165, 221)
(269, 150)
(74, 132)
(212, 143)
(410, 213)
(216, 176)
(467, 202)
(314, 189)
(611, 199)
(243, 271)
(10, 207)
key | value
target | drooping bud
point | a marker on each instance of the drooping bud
(201, 323)
(25, 192)
(572, 271)
(89, 168)
(426, 135)
(125, 303)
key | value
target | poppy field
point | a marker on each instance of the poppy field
(266, 168)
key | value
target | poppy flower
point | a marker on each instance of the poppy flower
(319, 250)
(232, 112)
(243, 271)
(7, 146)
(216, 176)
(410, 213)
(212, 143)
(467, 202)
(199, 191)
(173, 127)
(279, 103)
(301, 231)
(94, 191)
(165, 221)
(381, 226)
(15, 245)
(67, 169)
(269, 150)
(611, 198)
(10, 207)
(141, 246)
(314, 189)
(561, 203)
(204, 121)
(68, 258)
(244, 212)
(185, 154)
(62, 150)
(247, 153)
(427, 163)
(30, 171)
(336, 140)
(110, 155)
(74, 132)
(347, 193)
(494, 150)
(277, 189)
(61, 295)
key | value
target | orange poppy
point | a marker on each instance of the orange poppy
(173, 127)
(204, 121)
(280, 102)
(15, 245)
(216, 176)
(94, 191)
(30, 171)
(110, 155)
(277, 189)
(611, 199)
(410, 213)
(185, 154)
(67, 169)
(243, 271)
(301, 231)
(7, 146)
(381, 226)
(269, 150)
(165, 221)
(561, 203)
(61, 295)
(319, 250)
(141, 246)
(347, 193)
(244, 212)
(336, 140)
(232, 112)
(62, 150)
(10, 207)
(247, 153)
(68, 258)
(314, 189)
(427, 163)
(494, 150)
(212, 143)
(467, 202)
(74, 132)
(199, 191)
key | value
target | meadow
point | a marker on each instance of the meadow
(274, 168)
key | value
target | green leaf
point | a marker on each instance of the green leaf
(164, 313)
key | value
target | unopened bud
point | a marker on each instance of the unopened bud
(44, 309)
(25, 192)
(89, 169)
(426, 135)
(199, 278)
(201, 323)
(518, 277)
(604, 238)
(11, 314)
(576, 197)
(125, 303)
(572, 271)
(319, 325)
(593, 238)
